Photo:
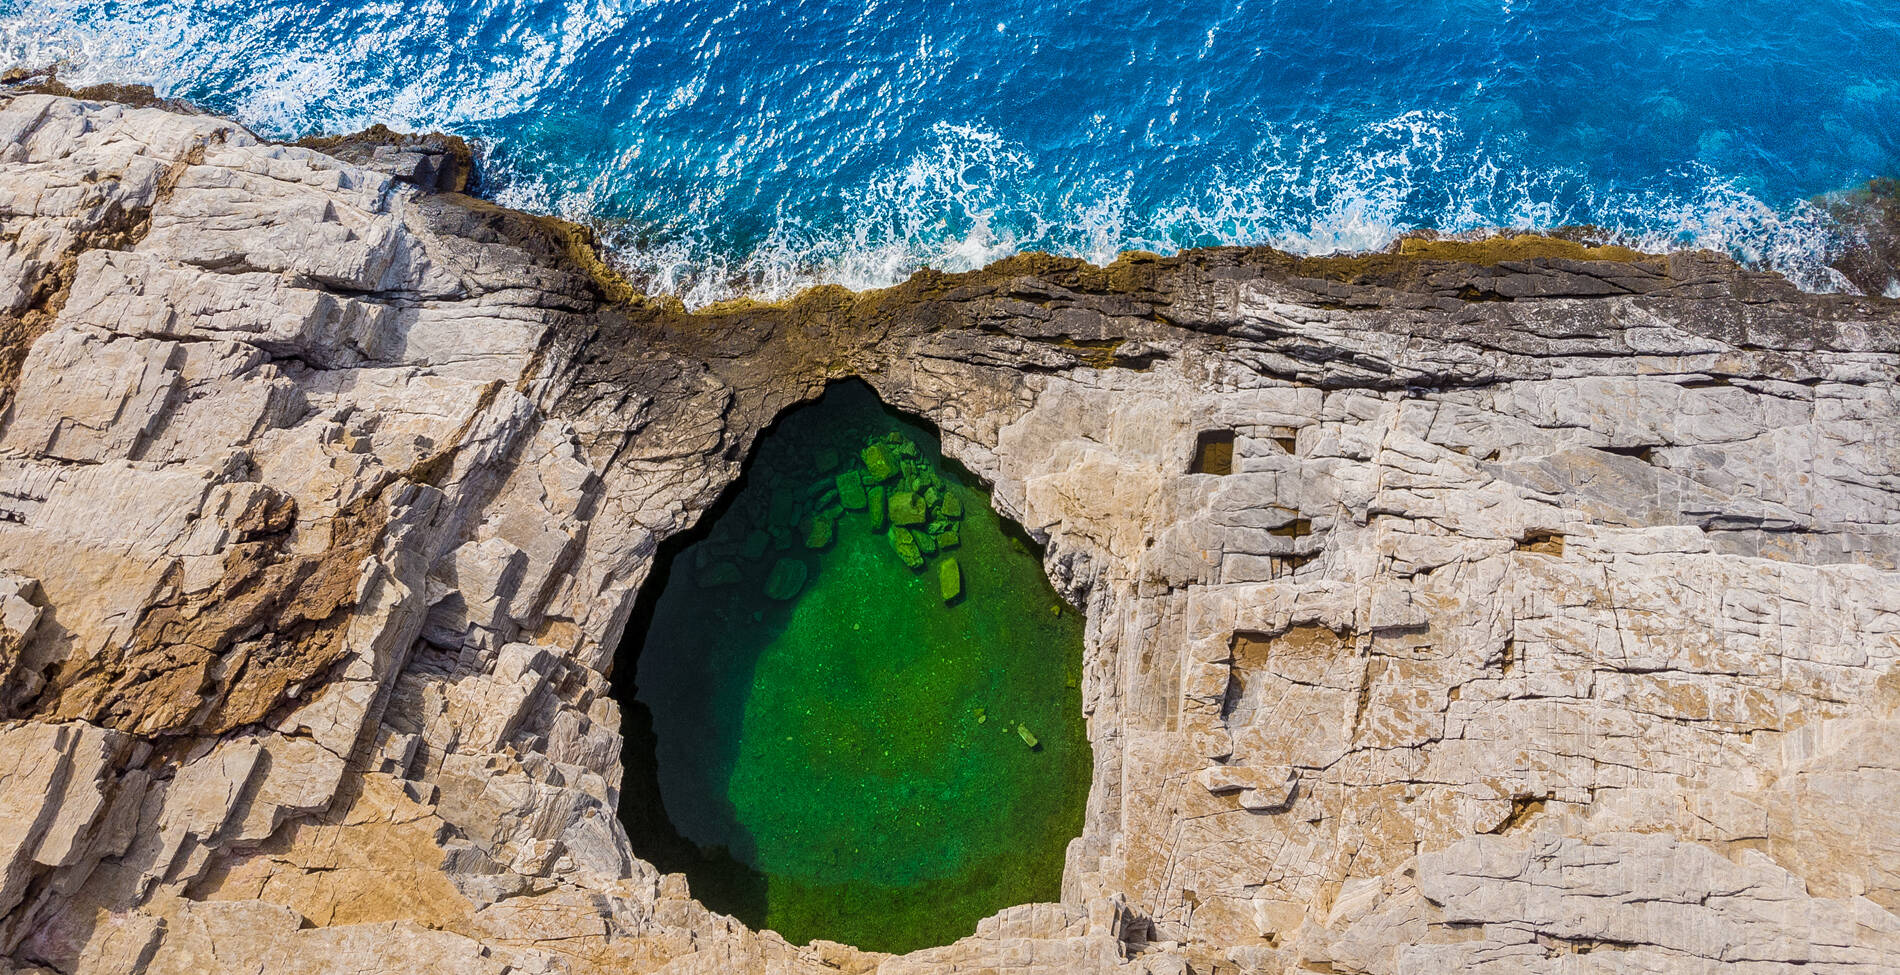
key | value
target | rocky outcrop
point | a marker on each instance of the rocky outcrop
(1537, 610)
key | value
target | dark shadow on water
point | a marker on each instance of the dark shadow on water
(719, 880)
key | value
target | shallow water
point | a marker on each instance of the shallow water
(761, 145)
(854, 763)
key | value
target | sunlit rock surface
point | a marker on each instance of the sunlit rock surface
(1547, 618)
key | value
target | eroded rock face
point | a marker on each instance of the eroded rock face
(1547, 619)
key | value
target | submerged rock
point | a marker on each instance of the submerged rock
(874, 503)
(878, 466)
(949, 579)
(717, 574)
(907, 509)
(818, 533)
(851, 491)
(904, 543)
(787, 578)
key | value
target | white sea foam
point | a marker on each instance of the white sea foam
(968, 197)
(1303, 196)
(331, 81)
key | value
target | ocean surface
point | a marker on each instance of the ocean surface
(759, 146)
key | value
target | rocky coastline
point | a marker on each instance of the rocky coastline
(1544, 614)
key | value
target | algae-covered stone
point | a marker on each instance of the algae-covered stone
(904, 543)
(756, 542)
(907, 509)
(925, 543)
(851, 490)
(949, 579)
(878, 466)
(901, 445)
(949, 539)
(783, 538)
(827, 460)
(787, 578)
(874, 501)
(717, 574)
(952, 506)
(1027, 736)
(932, 495)
(818, 533)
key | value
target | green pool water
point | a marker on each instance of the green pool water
(864, 761)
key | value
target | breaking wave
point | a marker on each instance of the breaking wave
(767, 146)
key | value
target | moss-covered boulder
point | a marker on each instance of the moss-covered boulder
(1028, 737)
(756, 542)
(851, 490)
(904, 543)
(878, 465)
(949, 579)
(949, 539)
(874, 503)
(826, 460)
(787, 578)
(952, 506)
(907, 509)
(925, 543)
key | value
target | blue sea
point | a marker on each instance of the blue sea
(759, 146)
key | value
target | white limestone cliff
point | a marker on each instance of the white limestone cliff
(1548, 618)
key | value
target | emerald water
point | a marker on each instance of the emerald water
(856, 711)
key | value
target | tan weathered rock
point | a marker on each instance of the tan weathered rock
(1556, 633)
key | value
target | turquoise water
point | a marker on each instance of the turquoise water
(856, 709)
(764, 144)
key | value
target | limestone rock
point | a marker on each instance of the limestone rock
(851, 491)
(1556, 633)
(907, 509)
(904, 543)
(878, 465)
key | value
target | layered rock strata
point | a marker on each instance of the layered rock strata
(1534, 608)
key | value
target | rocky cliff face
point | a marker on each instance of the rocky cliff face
(1543, 614)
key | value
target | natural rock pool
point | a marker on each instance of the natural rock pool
(856, 712)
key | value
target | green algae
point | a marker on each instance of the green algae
(824, 766)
